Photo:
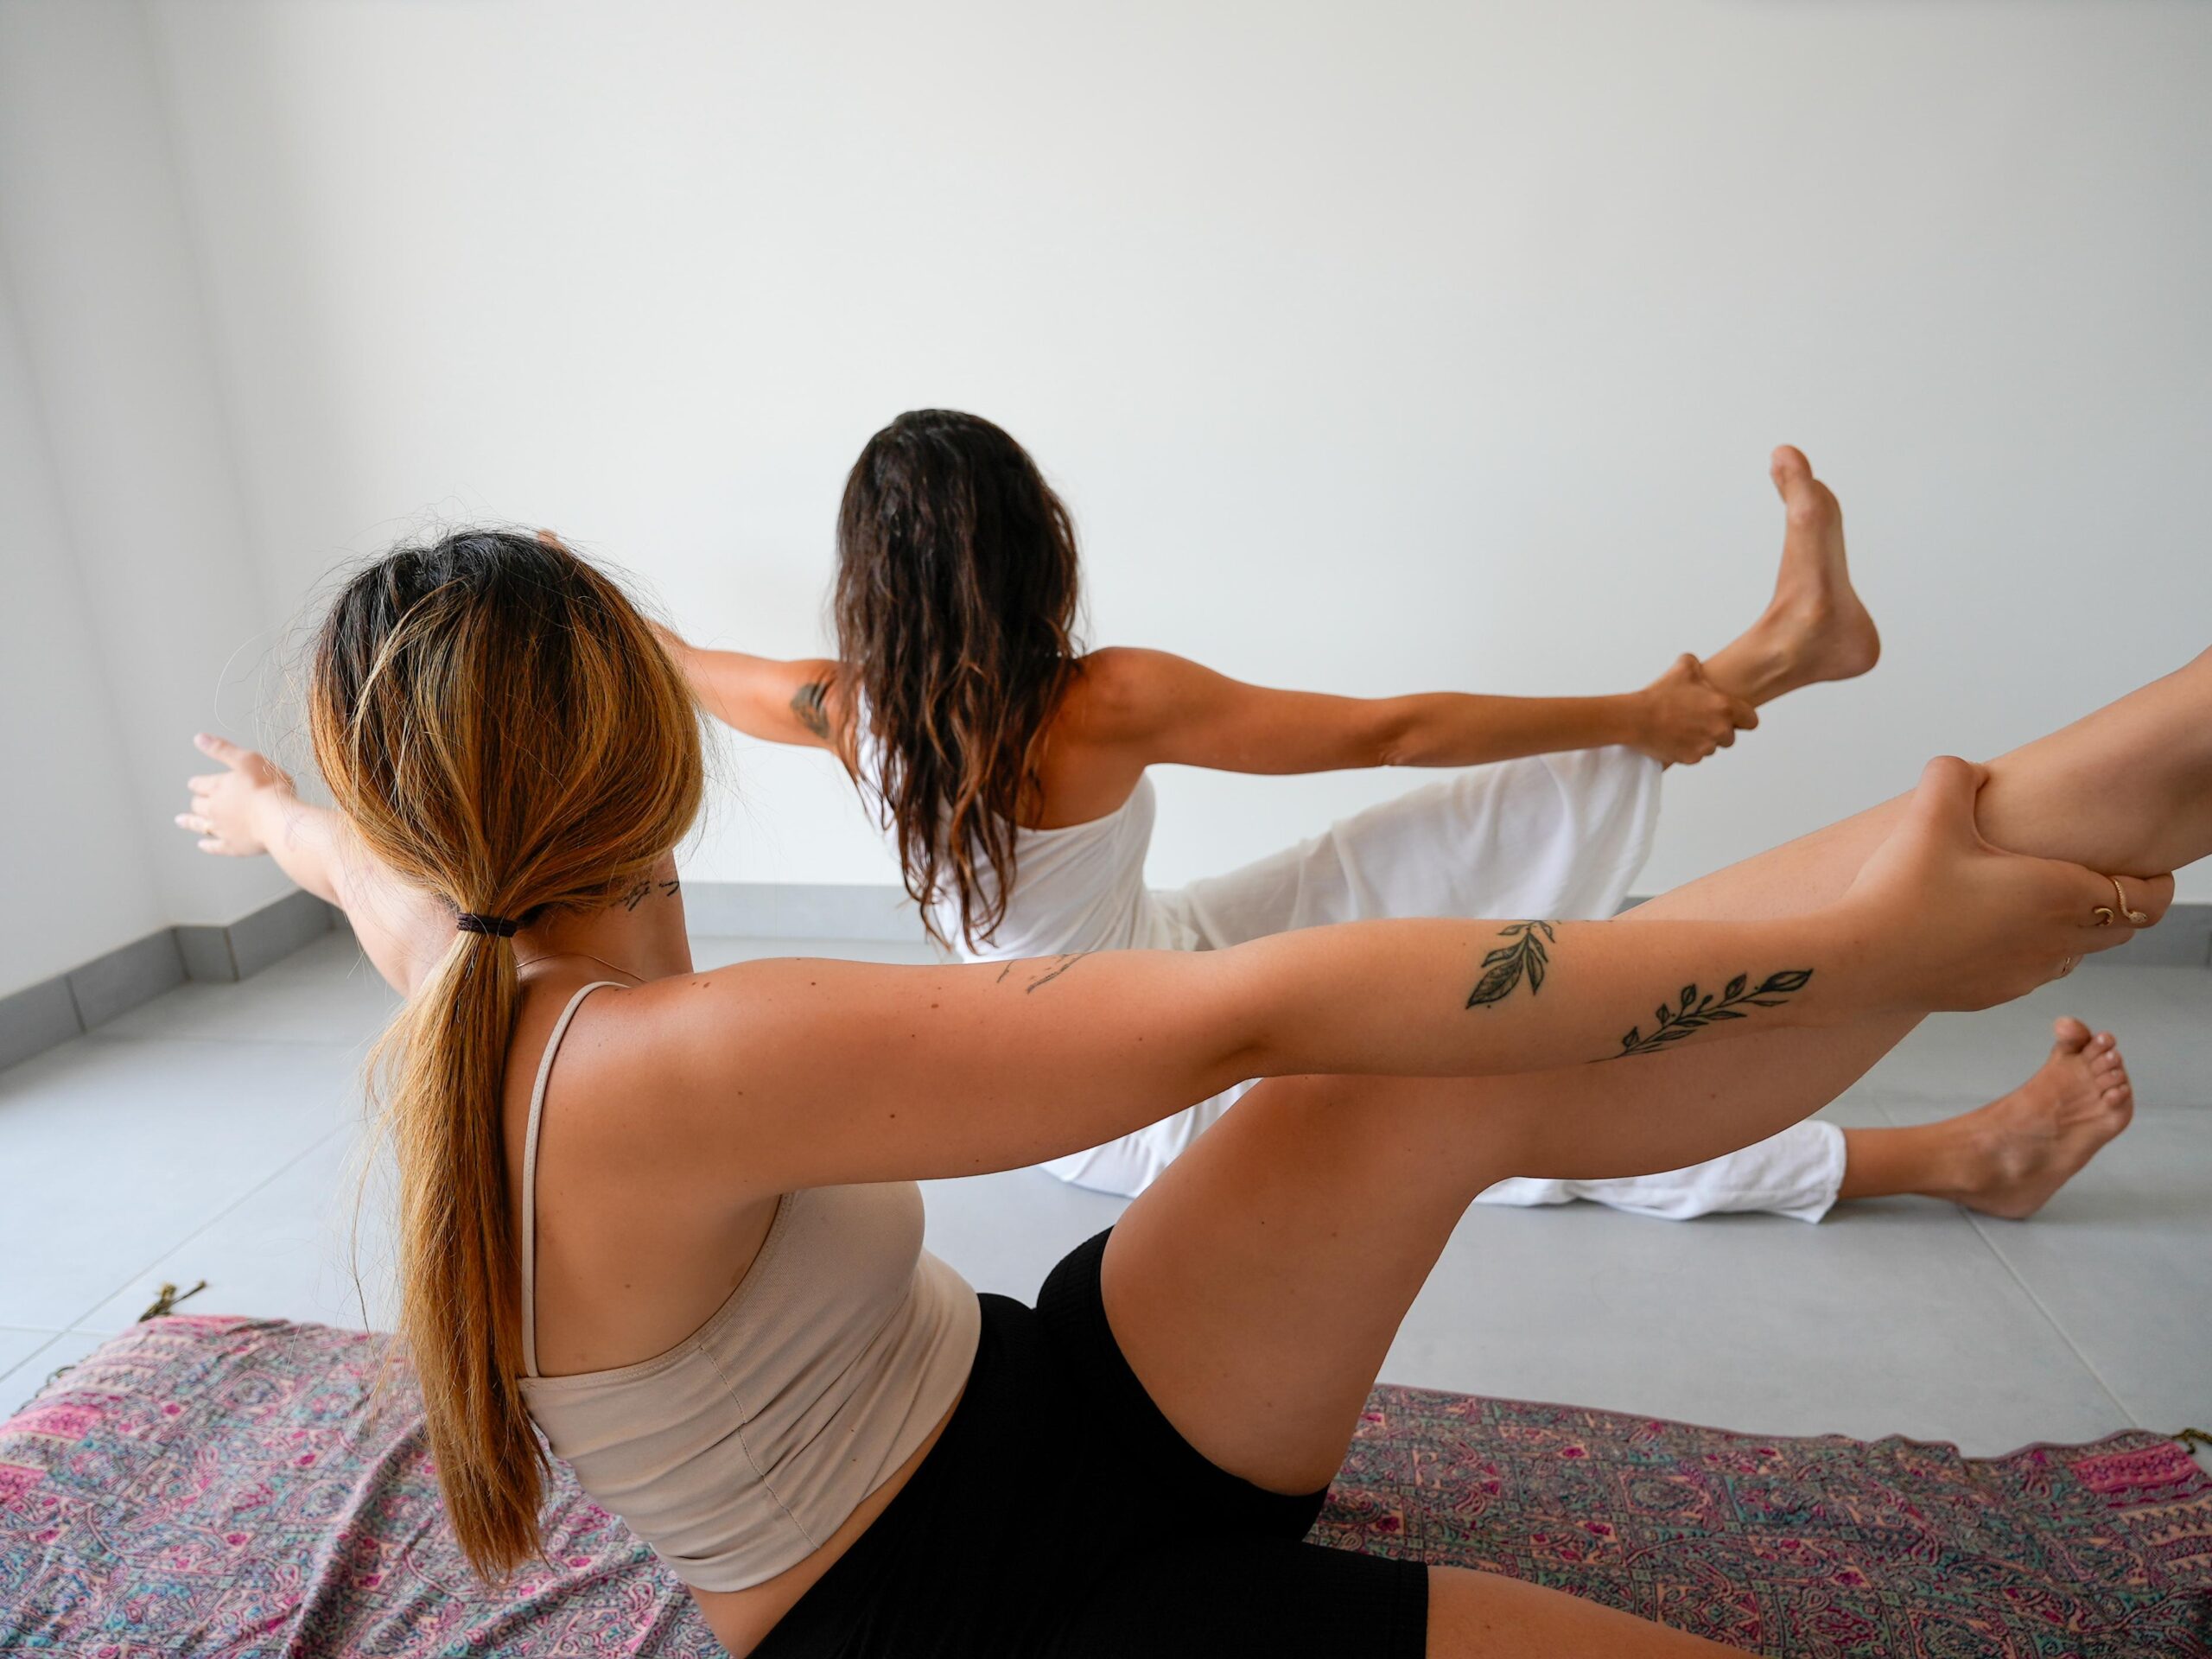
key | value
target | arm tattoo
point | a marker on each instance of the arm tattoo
(1060, 965)
(1505, 967)
(806, 704)
(1695, 1012)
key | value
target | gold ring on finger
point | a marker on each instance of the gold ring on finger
(2135, 918)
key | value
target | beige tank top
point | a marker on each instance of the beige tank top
(739, 1450)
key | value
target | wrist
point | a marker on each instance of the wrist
(266, 809)
(1632, 720)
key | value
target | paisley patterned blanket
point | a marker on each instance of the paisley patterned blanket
(235, 1487)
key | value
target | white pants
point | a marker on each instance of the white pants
(1557, 836)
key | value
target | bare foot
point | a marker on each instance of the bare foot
(2017, 1151)
(1815, 627)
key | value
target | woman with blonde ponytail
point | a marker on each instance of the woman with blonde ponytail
(444, 682)
(668, 1219)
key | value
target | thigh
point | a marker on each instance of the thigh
(1255, 1288)
(1201, 1597)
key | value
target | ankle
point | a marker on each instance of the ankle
(1756, 665)
(1931, 1161)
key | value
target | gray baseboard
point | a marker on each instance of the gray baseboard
(251, 944)
(53, 1010)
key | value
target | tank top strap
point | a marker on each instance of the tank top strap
(529, 1250)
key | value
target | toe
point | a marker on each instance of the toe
(2069, 1035)
(1793, 480)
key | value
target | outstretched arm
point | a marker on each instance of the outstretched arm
(777, 701)
(785, 1074)
(249, 808)
(1167, 709)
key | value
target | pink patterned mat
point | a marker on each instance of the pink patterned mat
(234, 1487)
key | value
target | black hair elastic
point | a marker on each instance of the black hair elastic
(470, 922)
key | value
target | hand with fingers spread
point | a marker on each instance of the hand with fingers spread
(232, 809)
(1963, 924)
(1685, 717)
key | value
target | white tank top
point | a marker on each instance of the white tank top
(738, 1452)
(1080, 887)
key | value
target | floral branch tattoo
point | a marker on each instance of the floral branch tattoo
(1694, 1012)
(807, 704)
(1507, 966)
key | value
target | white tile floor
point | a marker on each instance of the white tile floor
(213, 1134)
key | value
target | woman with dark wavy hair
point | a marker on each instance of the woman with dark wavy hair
(668, 1219)
(1008, 768)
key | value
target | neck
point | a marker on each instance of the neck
(641, 933)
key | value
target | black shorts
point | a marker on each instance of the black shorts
(1061, 1517)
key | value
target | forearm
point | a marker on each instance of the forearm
(1450, 728)
(1453, 998)
(402, 929)
(765, 697)
(303, 840)
(714, 677)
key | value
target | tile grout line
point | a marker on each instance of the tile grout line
(261, 1186)
(2051, 1320)
(35, 1330)
(18, 1366)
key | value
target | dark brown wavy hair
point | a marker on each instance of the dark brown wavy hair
(955, 608)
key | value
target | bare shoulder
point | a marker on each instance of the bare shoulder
(657, 1086)
(650, 1036)
(1123, 693)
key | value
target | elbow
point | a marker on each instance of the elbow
(1398, 739)
(1247, 1038)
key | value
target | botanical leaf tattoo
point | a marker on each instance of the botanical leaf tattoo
(1508, 965)
(1693, 1012)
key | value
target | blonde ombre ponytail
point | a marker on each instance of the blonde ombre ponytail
(501, 726)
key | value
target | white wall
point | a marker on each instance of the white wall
(1377, 346)
(132, 591)
(78, 880)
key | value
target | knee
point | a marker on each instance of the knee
(1396, 1128)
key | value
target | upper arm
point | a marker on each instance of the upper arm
(792, 1073)
(1169, 709)
(798, 702)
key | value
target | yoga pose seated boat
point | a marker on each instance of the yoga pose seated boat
(670, 1217)
(1010, 769)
